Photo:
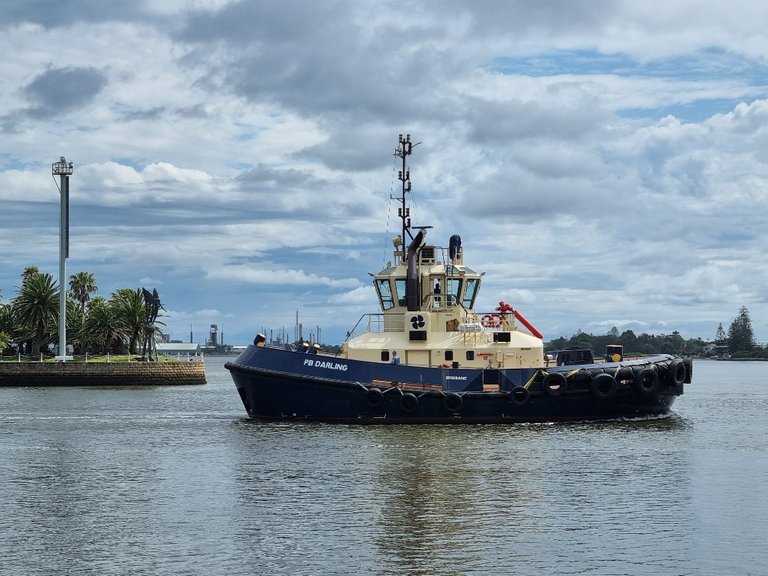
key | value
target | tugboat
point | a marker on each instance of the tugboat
(429, 357)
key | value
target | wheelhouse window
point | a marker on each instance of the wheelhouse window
(400, 291)
(385, 294)
(453, 290)
(470, 292)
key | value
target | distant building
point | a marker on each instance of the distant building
(178, 349)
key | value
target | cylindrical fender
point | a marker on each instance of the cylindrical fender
(624, 374)
(581, 375)
(519, 395)
(677, 371)
(452, 402)
(554, 383)
(374, 397)
(409, 402)
(646, 381)
(603, 386)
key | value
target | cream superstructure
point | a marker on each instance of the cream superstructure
(427, 299)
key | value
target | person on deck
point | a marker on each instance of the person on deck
(395, 358)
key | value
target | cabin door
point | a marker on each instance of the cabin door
(417, 357)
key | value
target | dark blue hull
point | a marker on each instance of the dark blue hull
(277, 384)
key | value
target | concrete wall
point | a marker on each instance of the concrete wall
(101, 373)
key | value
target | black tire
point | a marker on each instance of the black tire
(374, 397)
(409, 402)
(519, 396)
(583, 376)
(452, 402)
(603, 386)
(646, 381)
(677, 372)
(625, 374)
(555, 383)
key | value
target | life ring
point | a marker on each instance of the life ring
(452, 402)
(374, 397)
(491, 320)
(677, 371)
(519, 395)
(409, 402)
(603, 386)
(555, 383)
(646, 381)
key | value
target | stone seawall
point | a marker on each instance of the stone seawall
(101, 373)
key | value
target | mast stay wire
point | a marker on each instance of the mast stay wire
(389, 208)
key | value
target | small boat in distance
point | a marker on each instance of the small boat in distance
(429, 357)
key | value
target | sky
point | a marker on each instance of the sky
(604, 161)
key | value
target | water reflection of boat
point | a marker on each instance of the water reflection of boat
(429, 356)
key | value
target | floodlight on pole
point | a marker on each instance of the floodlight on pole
(63, 170)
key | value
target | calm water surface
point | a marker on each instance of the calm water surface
(165, 481)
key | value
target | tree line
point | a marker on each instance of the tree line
(738, 342)
(29, 322)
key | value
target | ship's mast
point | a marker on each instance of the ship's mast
(402, 151)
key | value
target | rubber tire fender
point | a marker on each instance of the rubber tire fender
(554, 383)
(646, 381)
(625, 374)
(374, 397)
(452, 402)
(519, 396)
(603, 386)
(582, 376)
(409, 402)
(677, 372)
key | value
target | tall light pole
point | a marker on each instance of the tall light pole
(63, 170)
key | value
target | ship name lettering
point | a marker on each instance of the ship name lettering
(325, 364)
(455, 377)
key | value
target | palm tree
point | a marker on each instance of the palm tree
(75, 324)
(5, 341)
(102, 331)
(29, 272)
(7, 323)
(5, 337)
(36, 308)
(131, 311)
(81, 286)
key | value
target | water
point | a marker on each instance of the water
(165, 481)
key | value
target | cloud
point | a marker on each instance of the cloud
(602, 161)
(61, 90)
(278, 276)
(55, 13)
